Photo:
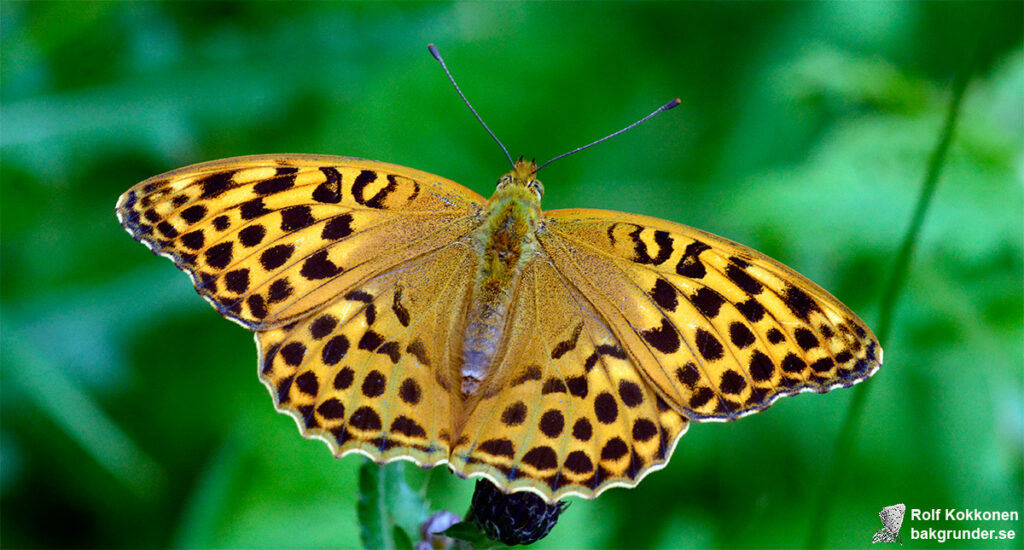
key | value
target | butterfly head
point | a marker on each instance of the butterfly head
(522, 176)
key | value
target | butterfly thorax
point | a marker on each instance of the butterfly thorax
(506, 240)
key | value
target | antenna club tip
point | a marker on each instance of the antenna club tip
(675, 102)
(433, 51)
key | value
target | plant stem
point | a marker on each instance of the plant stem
(845, 443)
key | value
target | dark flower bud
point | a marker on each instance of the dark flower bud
(516, 518)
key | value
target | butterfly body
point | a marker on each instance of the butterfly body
(399, 315)
(506, 242)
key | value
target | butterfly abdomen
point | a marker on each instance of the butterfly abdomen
(505, 240)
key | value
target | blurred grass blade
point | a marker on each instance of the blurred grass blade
(897, 278)
(388, 505)
(208, 500)
(73, 410)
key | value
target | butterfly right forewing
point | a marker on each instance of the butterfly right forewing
(718, 329)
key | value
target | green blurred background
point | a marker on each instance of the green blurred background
(131, 412)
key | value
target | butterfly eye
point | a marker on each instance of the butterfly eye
(537, 187)
(503, 181)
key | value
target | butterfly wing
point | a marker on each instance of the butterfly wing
(892, 517)
(268, 239)
(566, 412)
(883, 535)
(371, 372)
(717, 329)
(342, 266)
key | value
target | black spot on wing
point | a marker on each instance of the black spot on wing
(553, 385)
(689, 264)
(410, 391)
(577, 386)
(318, 266)
(252, 208)
(569, 344)
(365, 178)
(194, 213)
(709, 346)
(257, 306)
(366, 419)
(219, 255)
(222, 222)
(640, 255)
(605, 408)
(294, 218)
(664, 338)
(252, 235)
(542, 458)
(193, 240)
(400, 312)
(274, 257)
(664, 294)
(497, 447)
(799, 302)
(322, 326)
(279, 291)
(374, 384)
(167, 229)
(215, 184)
(582, 429)
(761, 367)
(743, 279)
(732, 382)
(707, 301)
(284, 179)
(335, 350)
(751, 309)
(237, 281)
(329, 192)
(359, 296)
(740, 335)
(337, 228)
(408, 427)
(805, 338)
(630, 393)
(688, 375)
(331, 409)
(532, 372)
(417, 349)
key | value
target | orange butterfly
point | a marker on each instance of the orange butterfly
(402, 316)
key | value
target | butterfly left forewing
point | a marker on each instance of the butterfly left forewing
(269, 238)
(719, 329)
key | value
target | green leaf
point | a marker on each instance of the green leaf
(402, 538)
(469, 532)
(388, 508)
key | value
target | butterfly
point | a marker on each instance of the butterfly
(892, 519)
(400, 315)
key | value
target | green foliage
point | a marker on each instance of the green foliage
(469, 532)
(130, 411)
(390, 512)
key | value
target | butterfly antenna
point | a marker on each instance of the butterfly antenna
(661, 109)
(437, 56)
